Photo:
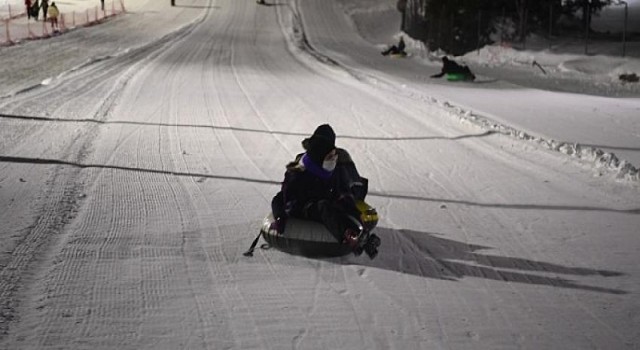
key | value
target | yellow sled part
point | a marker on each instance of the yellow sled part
(399, 55)
(368, 215)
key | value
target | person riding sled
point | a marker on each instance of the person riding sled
(454, 71)
(396, 49)
(322, 185)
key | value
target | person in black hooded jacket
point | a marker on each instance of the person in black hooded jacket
(320, 186)
(452, 67)
(395, 50)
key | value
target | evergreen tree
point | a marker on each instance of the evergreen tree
(586, 8)
(459, 26)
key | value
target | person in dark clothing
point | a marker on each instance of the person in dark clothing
(27, 5)
(452, 67)
(348, 179)
(320, 186)
(45, 7)
(395, 50)
(35, 9)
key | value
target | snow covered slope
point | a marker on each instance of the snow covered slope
(598, 124)
(132, 180)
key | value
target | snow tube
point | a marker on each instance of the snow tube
(399, 55)
(456, 77)
(310, 238)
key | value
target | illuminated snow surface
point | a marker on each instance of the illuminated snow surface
(139, 156)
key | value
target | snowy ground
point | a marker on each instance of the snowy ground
(138, 157)
(503, 93)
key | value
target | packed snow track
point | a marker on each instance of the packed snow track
(135, 175)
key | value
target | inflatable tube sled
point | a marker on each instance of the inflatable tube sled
(312, 239)
(399, 55)
(459, 77)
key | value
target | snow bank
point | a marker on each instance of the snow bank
(604, 163)
(374, 20)
(563, 58)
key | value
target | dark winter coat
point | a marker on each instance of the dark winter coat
(452, 67)
(401, 45)
(395, 50)
(301, 188)
(45, 8)
(34, 10)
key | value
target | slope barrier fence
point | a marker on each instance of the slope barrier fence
(16, 27)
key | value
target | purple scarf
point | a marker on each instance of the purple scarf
(315, 169)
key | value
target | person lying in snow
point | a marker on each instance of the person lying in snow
(395, 50)
(322, 185)
(454, 71)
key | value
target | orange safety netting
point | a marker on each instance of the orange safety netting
(15, 26)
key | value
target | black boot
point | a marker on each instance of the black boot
(371, 245)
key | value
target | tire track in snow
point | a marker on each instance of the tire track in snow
(55, 215)
(190, 241)
(119, 224)
(49, 224)
(308, 326)
(234, 299)
(153, 290)
(99, 263)
(90, 253)
(253, 108)
(193, 243)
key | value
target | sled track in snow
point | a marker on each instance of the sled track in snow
(64, 188)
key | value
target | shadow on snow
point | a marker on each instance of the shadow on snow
(431, 255)
(427, 254)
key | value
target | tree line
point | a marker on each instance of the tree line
(459, 26)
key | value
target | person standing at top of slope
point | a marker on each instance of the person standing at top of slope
(35, 9)
(27, 4)
(45, 7)
(53, 14)
(314, 188)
